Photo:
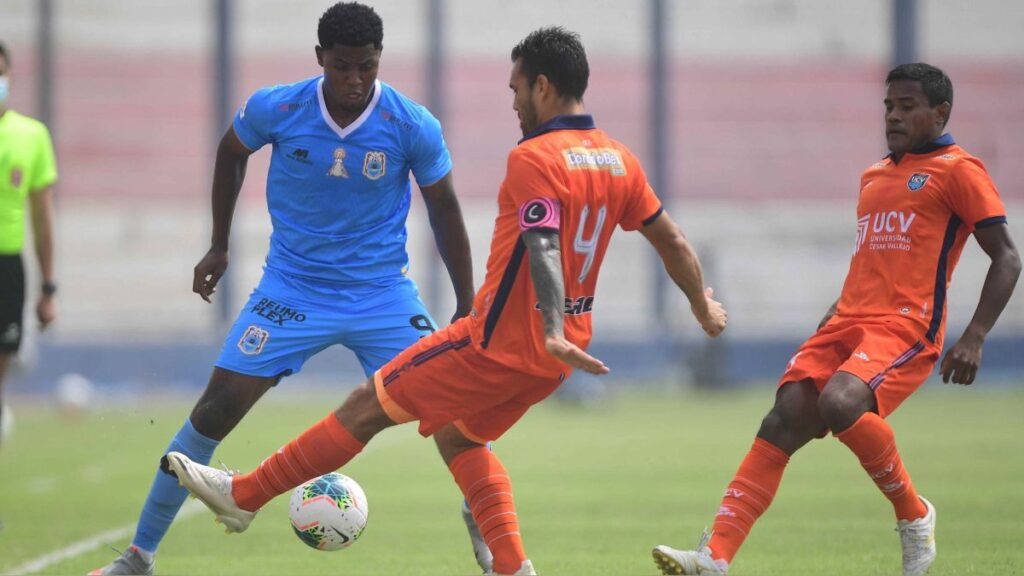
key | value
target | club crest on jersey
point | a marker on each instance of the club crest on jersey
(375, 165)
(338, 168)
(251, 343)
(917, 181)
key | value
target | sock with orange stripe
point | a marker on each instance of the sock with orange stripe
(486, 486)
(747, 497)
(873, 441)
(323, 448)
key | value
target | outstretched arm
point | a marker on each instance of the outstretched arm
(228, 174)
(683, 267)
(963, 359)
(546, 271)
(452, 240)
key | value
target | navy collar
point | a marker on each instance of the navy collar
(940, 142)
(563, 122)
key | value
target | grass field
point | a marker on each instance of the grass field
(596, 489)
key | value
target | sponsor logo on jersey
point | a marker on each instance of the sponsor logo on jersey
(885, 230)
(338, 167)
(16, 176)
(374, 165)
(575, 306)
(947, 157)
(252, 341)
(580, 158)
(392, 119)
(917, 181)
(276, 312)
(862, 356)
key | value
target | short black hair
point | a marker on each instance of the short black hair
(934, 82)
(558, 54)
(350, 24)
(3, 52)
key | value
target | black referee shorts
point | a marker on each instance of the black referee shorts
(12, 301)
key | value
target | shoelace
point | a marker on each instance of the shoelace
(914, 539)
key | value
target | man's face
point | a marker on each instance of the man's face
(910, 122)
(349, 74)
(522, 99)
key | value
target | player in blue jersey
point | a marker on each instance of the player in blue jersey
(338, 192)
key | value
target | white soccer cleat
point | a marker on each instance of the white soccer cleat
(918, 540)
(213, 488)
(481, 552)
(525, 570)
(699, 561)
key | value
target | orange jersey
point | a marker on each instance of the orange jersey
(571, 177)
(913, 219)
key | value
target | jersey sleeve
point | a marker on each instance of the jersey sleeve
(253, 121)
(45, 172)
(973, 196)
(533, 191)
(643, 205)
(428, 156)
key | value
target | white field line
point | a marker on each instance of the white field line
(191, 508)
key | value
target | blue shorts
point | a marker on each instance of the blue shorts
(287, 320)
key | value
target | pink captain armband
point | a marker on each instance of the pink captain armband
(540, 213)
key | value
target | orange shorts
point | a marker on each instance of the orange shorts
(446, 378)
(889, 356)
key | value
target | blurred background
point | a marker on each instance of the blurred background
(754, 119)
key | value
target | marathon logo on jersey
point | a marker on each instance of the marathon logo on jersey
(252, 342)
(540, 213)
(375, 165)
(580, 158)
(276, 312)
(885, 231)
(300, 155)
(392, 119)
(917, 181)
(575, 306)
(293, 106)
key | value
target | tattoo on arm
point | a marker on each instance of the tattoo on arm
(546, 271)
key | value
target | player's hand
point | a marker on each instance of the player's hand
(713, 318)
(46, 311)
(208, 272)
(962, 361)
(569, 353)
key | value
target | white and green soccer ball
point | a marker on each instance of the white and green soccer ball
(329, 512)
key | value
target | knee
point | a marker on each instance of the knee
(789, 431)
(841, 406)
(362, 414)
(451, 442)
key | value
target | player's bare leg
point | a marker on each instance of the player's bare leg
(849, 407)
(488, 490)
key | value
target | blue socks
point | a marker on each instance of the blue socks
(165, 496)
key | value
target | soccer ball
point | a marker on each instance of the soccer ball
(329, 512)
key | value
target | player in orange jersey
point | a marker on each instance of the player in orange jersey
(880, 341)
(568, 186)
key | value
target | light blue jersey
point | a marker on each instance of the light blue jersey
(338, 197)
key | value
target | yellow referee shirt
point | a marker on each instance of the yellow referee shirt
(27, 165)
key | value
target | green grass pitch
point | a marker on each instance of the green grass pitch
(596, 489)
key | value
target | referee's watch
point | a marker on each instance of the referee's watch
(49, 288)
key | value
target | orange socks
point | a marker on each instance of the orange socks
(747, 497)
(872, 440)
(487, 488)
(324, 448)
